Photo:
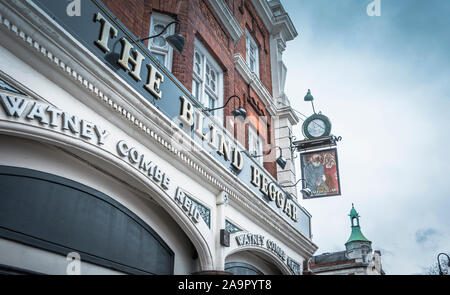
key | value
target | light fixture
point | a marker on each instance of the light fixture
(306, 192)
(281, 161)
(175, 40)
(309, 97)
(439, 263)
(240, 111)
(295, 184)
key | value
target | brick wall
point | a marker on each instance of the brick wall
(198, 20)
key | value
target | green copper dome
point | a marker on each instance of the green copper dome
(356, 234)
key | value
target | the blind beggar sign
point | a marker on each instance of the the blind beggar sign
(108, 39)
(321, 173)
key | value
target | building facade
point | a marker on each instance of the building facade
(111, 162)
(357, 259)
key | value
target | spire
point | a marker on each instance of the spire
(356, 234)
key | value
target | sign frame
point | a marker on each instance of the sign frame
(303, 157)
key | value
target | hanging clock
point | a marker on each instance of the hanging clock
(316, 126)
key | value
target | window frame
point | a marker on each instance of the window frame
(250, 42)
(161, 19)
(200, 80)
(252, 136)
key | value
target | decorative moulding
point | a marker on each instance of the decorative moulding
(226, 17)
(255, 83)
(275, 18)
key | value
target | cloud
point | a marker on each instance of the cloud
(384, 84)
(385, 252)
(427, 237)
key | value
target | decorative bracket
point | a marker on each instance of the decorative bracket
(317, 143)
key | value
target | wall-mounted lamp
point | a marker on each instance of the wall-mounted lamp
(281, 161)
(175, 40)
(306, 192)
(224, 238)
(237, 112)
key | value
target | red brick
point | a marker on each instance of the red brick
(199, 20)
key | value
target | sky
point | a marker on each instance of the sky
(384, 82)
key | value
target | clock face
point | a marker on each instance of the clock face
(316, 128)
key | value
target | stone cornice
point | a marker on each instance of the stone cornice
(275, 23)
(251, 78)
(287, 111)
(227, 18)
(128, 109)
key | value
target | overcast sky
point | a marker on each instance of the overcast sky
(384, 82)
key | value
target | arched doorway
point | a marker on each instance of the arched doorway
(76, 160)
(62, 216)
(253, 260)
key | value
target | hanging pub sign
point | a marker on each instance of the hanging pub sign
(320, 173)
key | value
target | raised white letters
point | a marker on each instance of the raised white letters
(54, 114)
(14, 106)
(224, 147)
(155, 78)
(269, 189)
(255, 177)
(70, 123)
(150, 169)
(106, 31)
(49, 115)
(187, 205)
(238, 161)
(125, 58)
(38, 111)
(86, 129)
(101, 134)
(187, 112)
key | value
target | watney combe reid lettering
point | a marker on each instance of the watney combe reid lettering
(189, 115)
(54, 118)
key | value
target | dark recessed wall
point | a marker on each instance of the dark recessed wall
(62, 216)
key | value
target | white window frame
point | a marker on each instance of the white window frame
(206, 90)
(255, 144)
(167, 50)
(250, 43)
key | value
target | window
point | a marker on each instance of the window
(252, 54)
(255, 146)
(158, 46)
(241, 268)
(207, 80)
